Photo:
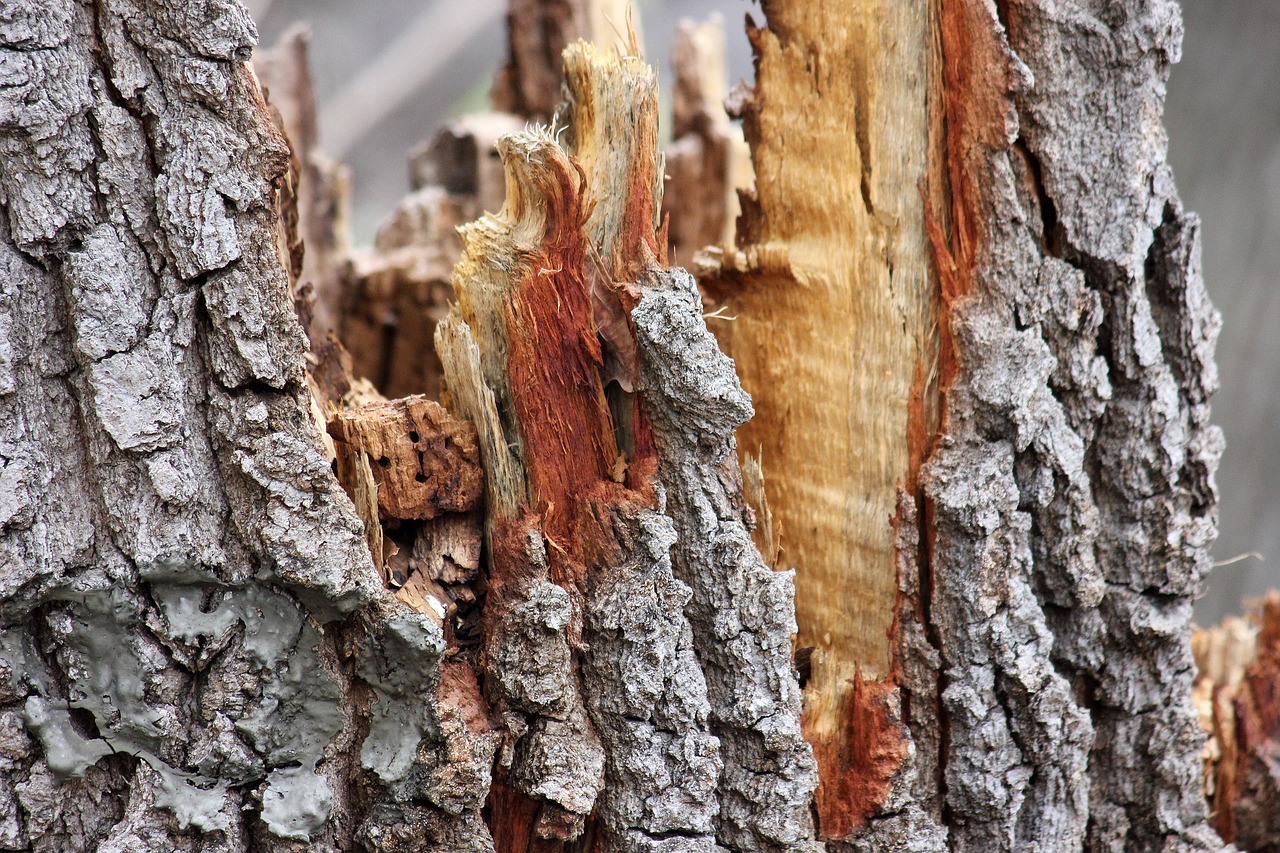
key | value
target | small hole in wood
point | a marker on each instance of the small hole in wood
(420, 477)
(413, 436)
(384, 462)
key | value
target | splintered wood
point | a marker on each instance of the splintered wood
(834, 337)
(1237, 695)
(708, 160)
(316, 197)
(618, 548)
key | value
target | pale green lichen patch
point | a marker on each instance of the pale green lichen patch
(113, 671)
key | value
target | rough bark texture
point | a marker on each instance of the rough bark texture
(199, 654)
(173, 538)
(1072, 499)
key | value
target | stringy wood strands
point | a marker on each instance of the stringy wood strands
(613, 108)
(537, 340)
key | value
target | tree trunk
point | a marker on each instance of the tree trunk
(250, 604)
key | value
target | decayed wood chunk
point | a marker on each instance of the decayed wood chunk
(399, 289)
(424, 460)
(538, 31)
(447, 549)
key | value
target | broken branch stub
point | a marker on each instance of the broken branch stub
(637, 649)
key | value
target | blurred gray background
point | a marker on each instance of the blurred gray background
(389, 73)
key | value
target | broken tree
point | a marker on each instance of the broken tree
(251, 604)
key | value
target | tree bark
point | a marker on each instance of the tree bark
(250, 604)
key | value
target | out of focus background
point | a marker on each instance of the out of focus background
(389, 73)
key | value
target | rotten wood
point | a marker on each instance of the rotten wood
(529, 82)
(399, 289)
(424, 461)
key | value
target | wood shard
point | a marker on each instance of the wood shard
(1237, 695)
(425, 596)
(356, 477)
(424, 460)
(448, 548)
(708, 161)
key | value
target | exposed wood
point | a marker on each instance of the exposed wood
(835, 338)
(425, 461)
(1238, 698)
(524, 299)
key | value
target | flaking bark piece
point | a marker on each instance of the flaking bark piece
(424, 460)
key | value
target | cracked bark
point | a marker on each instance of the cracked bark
(978, 351)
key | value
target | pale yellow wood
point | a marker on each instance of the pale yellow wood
(835, 308)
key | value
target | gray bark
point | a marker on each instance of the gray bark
(197, 651)
(188, 599)
(1073, 493)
